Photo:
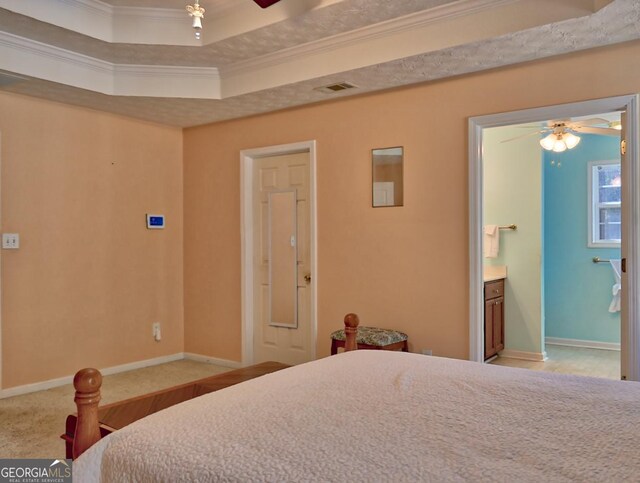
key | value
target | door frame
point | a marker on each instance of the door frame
(630, 103)
(1, 272)
(248, 157)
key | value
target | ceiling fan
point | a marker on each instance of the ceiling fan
(266, 3)
(562, 133)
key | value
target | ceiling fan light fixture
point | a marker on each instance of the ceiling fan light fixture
(571, 140)
(548, 142)
(559, 146)
(197, 12)
(560, 140)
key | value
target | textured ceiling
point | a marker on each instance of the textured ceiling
(618, 22)
(312, 25)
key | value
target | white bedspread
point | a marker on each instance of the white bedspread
(385, 416)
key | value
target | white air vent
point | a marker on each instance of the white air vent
(8, 79)
(336, 87)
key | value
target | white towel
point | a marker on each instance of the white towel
(617, 272)
(491, 241)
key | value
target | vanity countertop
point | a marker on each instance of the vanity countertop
(494, 272)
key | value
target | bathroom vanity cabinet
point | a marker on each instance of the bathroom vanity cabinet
(493, 317)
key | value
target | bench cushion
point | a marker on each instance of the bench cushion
(373, 336)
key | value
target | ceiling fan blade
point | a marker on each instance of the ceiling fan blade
(522, 136)
(590, 122)
(266, 3)
(606, 131)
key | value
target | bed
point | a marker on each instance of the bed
(384, 416)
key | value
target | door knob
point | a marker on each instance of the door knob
(307, 278)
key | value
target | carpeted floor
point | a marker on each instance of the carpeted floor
(31, 425)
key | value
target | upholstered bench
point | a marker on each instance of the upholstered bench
(372, 338)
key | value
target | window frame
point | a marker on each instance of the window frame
(593, 223)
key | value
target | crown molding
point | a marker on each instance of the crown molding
(29, 47)
(105, 22)
(388, 28)
(412, 35)
(90, 5)
(405, 37)
(34, 59)
(161, 26)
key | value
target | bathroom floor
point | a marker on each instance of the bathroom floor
(572, 360)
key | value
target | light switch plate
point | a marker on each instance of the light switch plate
(10, 241)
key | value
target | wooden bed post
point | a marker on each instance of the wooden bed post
(351, 322)
(87, 383)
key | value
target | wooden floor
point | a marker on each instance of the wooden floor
(572, 360)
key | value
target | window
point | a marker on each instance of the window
(604, 204)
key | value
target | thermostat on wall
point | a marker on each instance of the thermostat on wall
(155, 222)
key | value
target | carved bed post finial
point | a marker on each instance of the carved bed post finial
(351, 322)
(87, 383)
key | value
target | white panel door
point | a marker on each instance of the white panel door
(280, 191)
(383, 193)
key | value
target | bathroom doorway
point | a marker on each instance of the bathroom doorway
(538, 297)
(548, 214)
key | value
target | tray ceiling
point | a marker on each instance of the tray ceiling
(140, 57)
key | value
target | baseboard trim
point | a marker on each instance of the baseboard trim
(213, 360)
(61, 381)
(525, 356)
(589, 344)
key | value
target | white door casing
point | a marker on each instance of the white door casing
(1, 294)
(630, 327)
(251, 236)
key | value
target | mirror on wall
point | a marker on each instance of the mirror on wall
(283, 259)
(387, 176)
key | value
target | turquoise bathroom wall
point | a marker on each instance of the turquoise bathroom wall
(577, 291)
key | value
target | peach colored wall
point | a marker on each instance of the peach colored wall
(89, 279)
(401, 267)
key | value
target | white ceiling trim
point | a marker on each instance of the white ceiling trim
(226, 21)
(166, 81)
(384, 30)
(450, 46)
(94, 5)
(463, 22)
(104, 22)
(157, 26)
(88, 17)
(42, 61)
